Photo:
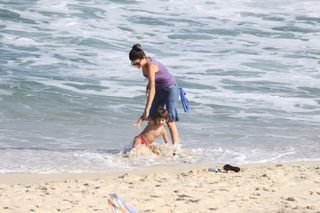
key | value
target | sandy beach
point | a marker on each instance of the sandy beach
(271, 187)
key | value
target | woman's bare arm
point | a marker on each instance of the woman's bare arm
(151, 73)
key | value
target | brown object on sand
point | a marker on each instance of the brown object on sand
(228, 167)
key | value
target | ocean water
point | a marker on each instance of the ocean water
(69, 97)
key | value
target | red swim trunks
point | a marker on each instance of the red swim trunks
(143, 140)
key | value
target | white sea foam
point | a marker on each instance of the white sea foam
(5, 92)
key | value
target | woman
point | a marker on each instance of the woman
(161, 90)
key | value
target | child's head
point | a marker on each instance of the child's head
(161, 117)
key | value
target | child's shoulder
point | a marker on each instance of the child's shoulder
(162, 128)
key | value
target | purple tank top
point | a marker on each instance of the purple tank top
(163, 78)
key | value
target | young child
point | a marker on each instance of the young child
(153, 130)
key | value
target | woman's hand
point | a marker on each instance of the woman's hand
(138, 123)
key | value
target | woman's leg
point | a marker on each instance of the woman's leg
(171, 106)
(173, 132)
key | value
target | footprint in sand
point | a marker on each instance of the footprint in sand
(193, 201)
(182, 197)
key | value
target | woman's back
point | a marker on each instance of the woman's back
(163, 78)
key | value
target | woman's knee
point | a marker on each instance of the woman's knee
(171, 124)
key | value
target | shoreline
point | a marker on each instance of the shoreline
(36, 178)
(263, 187)
(173, 168)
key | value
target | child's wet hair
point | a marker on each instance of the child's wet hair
(161, 113)
(136, 52)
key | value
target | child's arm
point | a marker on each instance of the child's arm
(139, 122)
(165, 136)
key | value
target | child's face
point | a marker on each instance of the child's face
(160, 121)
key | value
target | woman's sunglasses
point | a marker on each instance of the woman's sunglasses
(135, 63)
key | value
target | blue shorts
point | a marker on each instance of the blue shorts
(168, 98)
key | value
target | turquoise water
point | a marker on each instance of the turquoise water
(69, 97)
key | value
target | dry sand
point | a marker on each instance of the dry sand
(277, 187)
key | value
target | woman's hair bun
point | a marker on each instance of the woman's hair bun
(136, 52)
(136, 47)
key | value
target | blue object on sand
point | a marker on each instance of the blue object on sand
(184, 100)
(119, 206)
(214, 170)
